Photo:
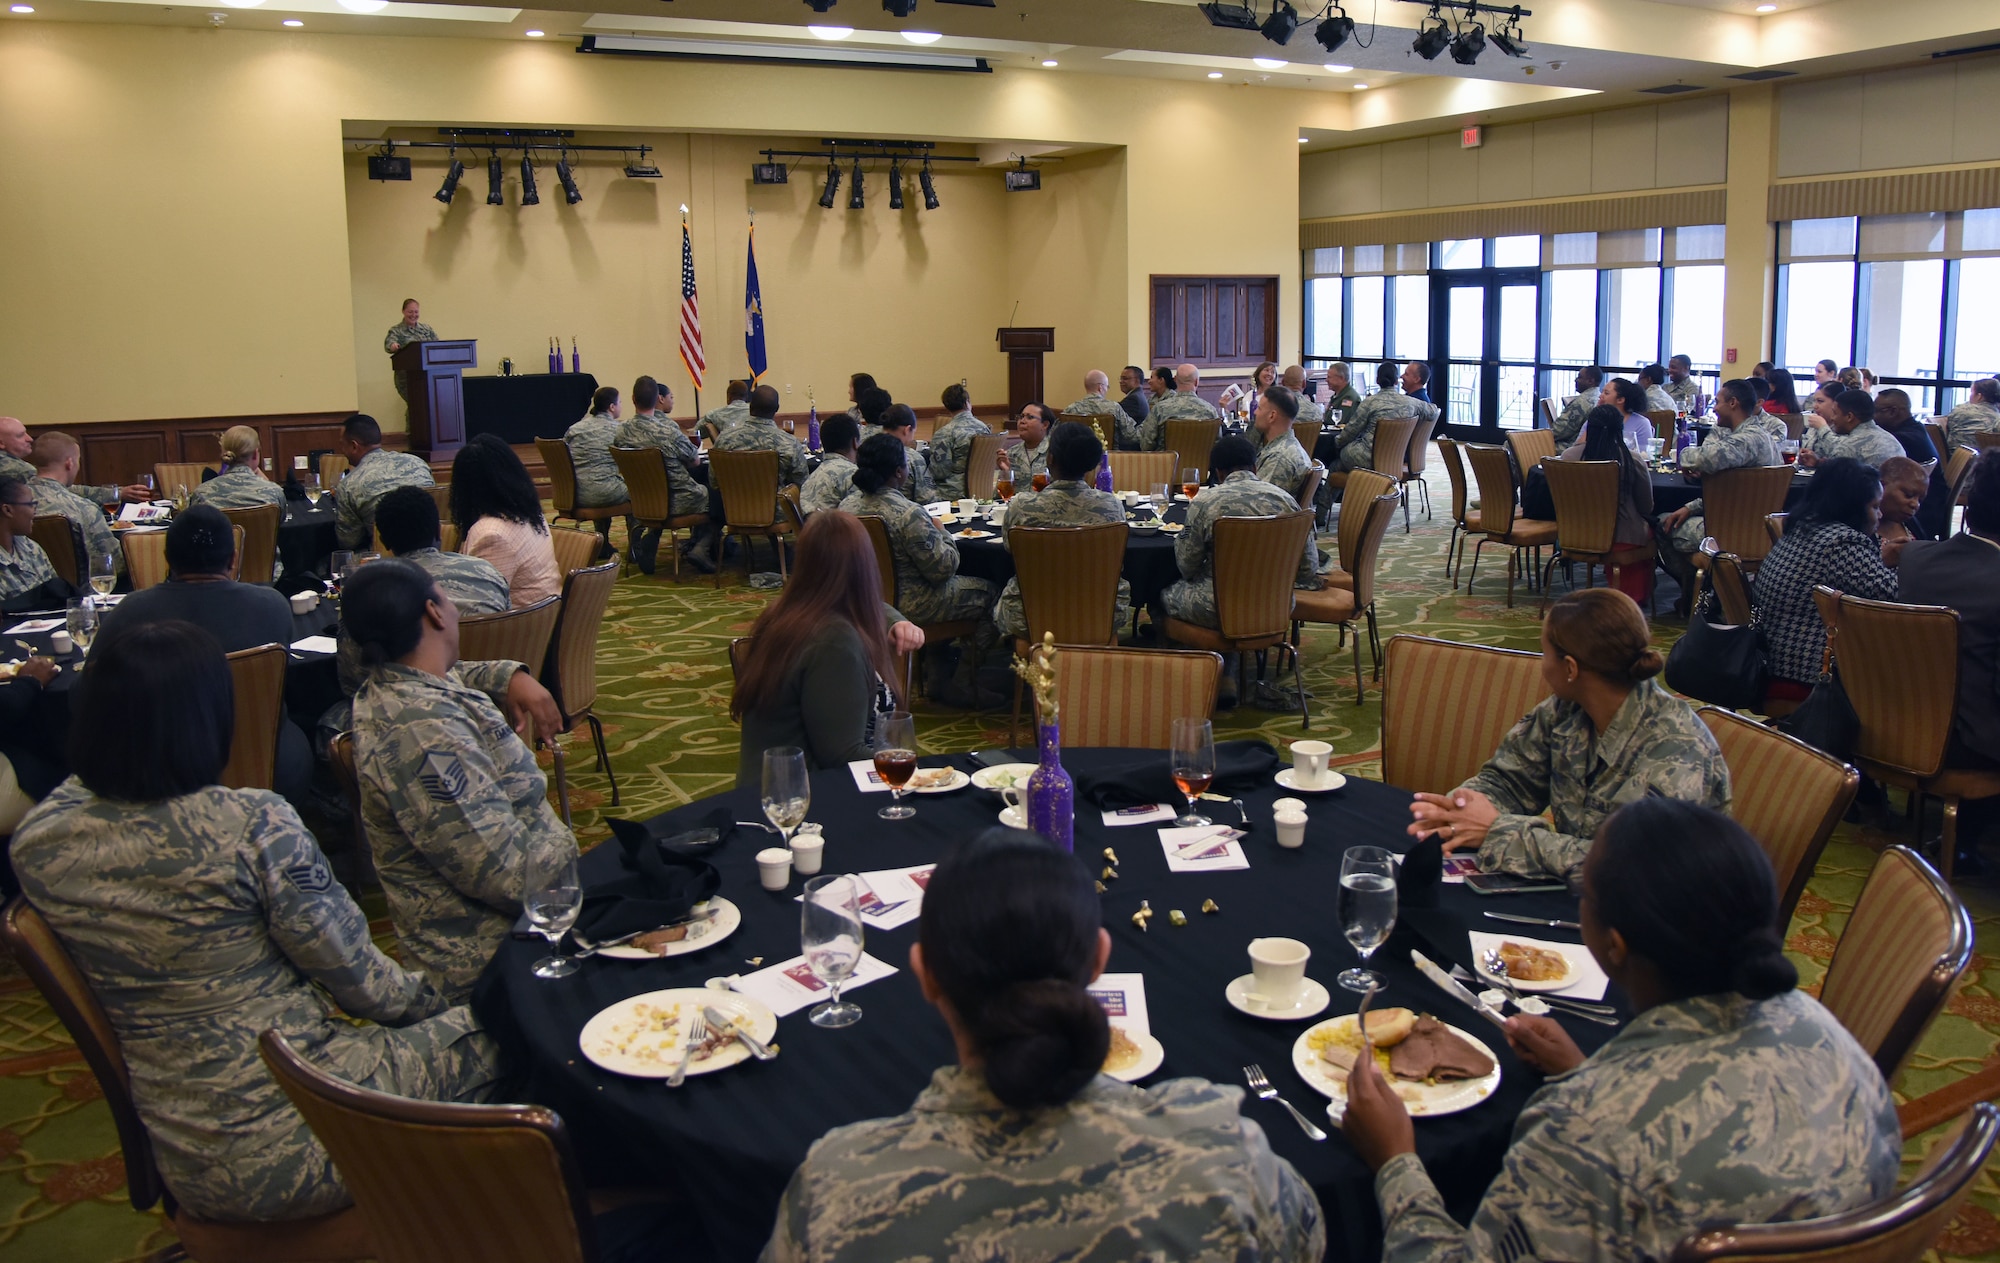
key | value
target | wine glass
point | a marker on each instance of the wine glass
(1161, 497)
(103, 574)
(80, 619)
(337, 569)
(148, 480)
(1190, 482)
(787, 791)
(1193, 765)
(552, 895)
(896, 760)
(830, 933)
(1367, 909)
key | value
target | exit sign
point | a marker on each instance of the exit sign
(1470, 137)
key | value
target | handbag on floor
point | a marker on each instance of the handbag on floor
(1826, 719)
(1718, 664)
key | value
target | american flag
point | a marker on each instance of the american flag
(690, 314)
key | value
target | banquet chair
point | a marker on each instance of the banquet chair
(1586, 496)
(1498, 522)
(1256, 560)
(340, 761)
(1446, 706)
(1662, 421)
(145, 557)
(1774, 526)
(1368, 487)
(1957, 470)
(332, 468)
(1069, 587)
(1899, 665)
(1107, 696)
(1795, 424)
(441, 497)
(1545, 414)
(333, 1238)
(644, 470)
(1906, 945)
(1194, 439)
(510, 636)
(1464, 520)
(1936, 433)
(982, 463)
(1985, 439)
(1309, 490)
(574, 549)
(1307, 433)
(444, 1180)
(752, 506)
(1901, 1228)
(259, 678)
(259, 562)
(1786, 794)
(561, 465)
(171, 476)
(1529, 448)
(571, 673)
(62, 540)
(1103, 424)
(1342, 606)
(1734, 504)
(885, 566)
(1413, 468)
(1142, 471)
(1732, 587)
(1392, 452)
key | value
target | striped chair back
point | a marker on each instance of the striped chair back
(1907, 943)
(62, 540)
(1586, 496)
(1496, 486)
(1307, 433)
(512, 636)
(1364, 488)
(1899, 665)
(1256, 561)
(1392, 446)
(574, 549)
(571, 676)
(1446, 705)
(1069, 580)
(1545, 415)
(145, 557)
(1956, 467)
(1131, 697)
(748, 482)
(644, 470)
(1418, 458)
(172, 476)
(1368, 548)
(331, 466)
(1662, 420)
(1454, 470)
(259, 562)
(562, 474)
(1193, 438)
(885, 555)
(1936, 433)
(1795, 424)
(1309, 489)
(441, 497)
(982, 463)
(259, 678)
(1103, 423)
(1735, 503)
(1142, 471)
(1531, 448)
(1785, 794)
(1732, 586)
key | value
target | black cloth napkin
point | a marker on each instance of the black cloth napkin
(1421, 874)
(1240, 766)
(665, 877)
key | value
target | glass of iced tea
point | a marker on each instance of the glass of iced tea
(1003, 486)
(1039, 482)
(896, 760)
(1190, 482)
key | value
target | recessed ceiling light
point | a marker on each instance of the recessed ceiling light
(293, 22)
(1302, 140)
(1215, 74)
(364, 6)
(1359, 86)
(22, 8)
(1339, 69)
(1767, 8)
(923, 37)
(1270, 63)
(831, 32)
(1048, 61)
(533, 34)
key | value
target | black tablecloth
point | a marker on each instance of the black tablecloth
(1672, 489)
(731, 1140)
(528, 406)
(1149, 557)
(305, 538)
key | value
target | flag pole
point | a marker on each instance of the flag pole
(697, 385)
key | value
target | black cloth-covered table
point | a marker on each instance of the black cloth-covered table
(1149, 556)
(305, 538)
(1673, 489)
(731, 1140)
(526, 406)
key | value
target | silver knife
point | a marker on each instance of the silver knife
(723, 1021)
(1457, 989)
(1521, 920)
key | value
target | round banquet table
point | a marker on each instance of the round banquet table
(1149, 555)
(731, 1140)
(1672, 489)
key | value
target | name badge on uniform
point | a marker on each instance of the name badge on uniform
(442, 777)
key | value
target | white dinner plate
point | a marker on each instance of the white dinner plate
(1522, 984)
(1289, 779)
(958, 781)
(1004, 776)
(1423, 1100)
(701, 934)
(1313, 999)
(974, 535)
(1151, 1054)
(643, 1036)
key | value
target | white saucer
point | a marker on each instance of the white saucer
(1151, 1055)
(1312, 1000)
(1333, 781)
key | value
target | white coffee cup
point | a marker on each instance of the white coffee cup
(62, 643)
(968, 508)
(807, 848)
(1291, 829)
(997, 515)
(774, 867)
(1309, 760)
(304, 602)
(1015, 814)
(1278, 966)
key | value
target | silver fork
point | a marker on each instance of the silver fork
(1254, 1075)
(697, 1032)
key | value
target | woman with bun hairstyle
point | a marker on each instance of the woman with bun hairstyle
(992, 1160)
(1606, 736)
(1730, 1097)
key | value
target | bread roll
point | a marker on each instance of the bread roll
(1389, 1027)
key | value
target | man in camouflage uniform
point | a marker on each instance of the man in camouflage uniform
(951, 442)
(1097, 403)
(1682, 387)
(1183, 405)
(652, 425)
(1652, 380)
(761, 434)
(1280, 461)
(1569, 422)
(1979, 414)
(901, 420)
(830, 483)
(407, 520)
(1354, 444)
(1732, 444)
(55, 458)
(1294, 380)
(27, 580)
(1851, 431)
(411, 330)
(1237, 492)
(15, 446)
(373, 472)
(1768, 424)
(1031, 457)
(1068, 500)
(735, 411)
(456, 810)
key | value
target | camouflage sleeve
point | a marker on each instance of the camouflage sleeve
(490, 678)
(1191, 546)
(96, 495)
(315, 923)
(1821, 440)
(1553, 1200)
(1153, 434)
(1516, 778)
(797, 467)
(923, 488)
(348, 528)
(1289, 1225)
(389, 343)
(469, 832)
(1354, 425)
(787, 1243)
(931, 550)
(1570, 423)
(1529, 846)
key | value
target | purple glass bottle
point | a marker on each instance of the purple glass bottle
(1051, 795)
(575, 360)
(1104, 474)
(812, 428)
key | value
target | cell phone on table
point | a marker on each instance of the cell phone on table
(1508, 884)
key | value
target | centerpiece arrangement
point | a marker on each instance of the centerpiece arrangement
(1051, 795)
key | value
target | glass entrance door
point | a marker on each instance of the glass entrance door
(1486, 324)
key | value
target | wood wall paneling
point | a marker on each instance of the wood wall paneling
(1214, 320)
(119, 459)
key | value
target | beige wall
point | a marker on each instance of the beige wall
(176, 242)
(1925, 116)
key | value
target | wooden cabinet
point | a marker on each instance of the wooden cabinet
(1213, 320)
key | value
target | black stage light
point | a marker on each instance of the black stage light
(1432, 39)
(1284, 20)
(1236, 17)
(1509, 40)
(1024, 180)
(1334, 31)
(571, 193)
(895, 186)
(899, 8)
(769, 173)
(930, 189)
(855, 200)
(1470, 43)
(832, 185)
(494, 178)
(642, 170)
(529, 195)
(388, 167)
(451, 179)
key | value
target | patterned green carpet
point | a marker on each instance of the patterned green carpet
(665, 704)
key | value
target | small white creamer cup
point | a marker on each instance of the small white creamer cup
(774, 867)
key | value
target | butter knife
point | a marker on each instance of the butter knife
(723, 1021)
(1518, 919)
(1455, 988)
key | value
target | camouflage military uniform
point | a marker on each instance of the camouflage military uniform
(761, 434)
(1119, 1172)
(598, 483)
(1769, 425)
(1124, 429)
(1192, 598)
(1868, 443)
(828, 485)
(1553, 761)
(472, 584)
(1284, 464)
(728, 416)
(1683, 393)
(455, 808)
(951, 448)
(1310, 411)
(54, 499)
(1026, 462)
(1726, 448)
(1356, 440)
(1658, 400)
(1569, 422)
(1065, 502)
(380, 472)
(12, 466)
(399, 336)
(1182, 405)
(1715, 1109)
(929, 588)
(203, 921)
(24, 569)
(664, 433)
(1974, 416)
(242, 487)
(921, 486)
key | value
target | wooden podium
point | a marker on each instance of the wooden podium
(1025, 349)
(437, 399)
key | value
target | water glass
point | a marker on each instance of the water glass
(830, 935)
(103, 574)
(80, 619)
(552, 895)
(1193, 767)
(896, 760)
(1162, 496)
(337, 570)
(1366, 908)
(787, 791)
